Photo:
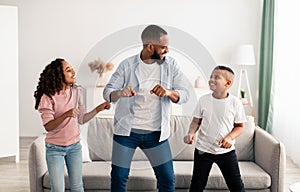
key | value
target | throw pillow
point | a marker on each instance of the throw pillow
(244, 142)
(85, 151)
(84, 144)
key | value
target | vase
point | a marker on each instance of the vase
(198, 82)
(101, 80)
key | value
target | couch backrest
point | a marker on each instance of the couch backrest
(100, 132)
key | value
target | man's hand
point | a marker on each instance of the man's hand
(160, 91)
(127, 92)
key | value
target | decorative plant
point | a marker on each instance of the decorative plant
(243, 93)
(100, 66)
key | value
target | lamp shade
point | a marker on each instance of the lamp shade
(243, 55)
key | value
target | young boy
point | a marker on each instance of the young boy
(221, 117)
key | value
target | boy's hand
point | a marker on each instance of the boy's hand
(189, 138)
(226, 142)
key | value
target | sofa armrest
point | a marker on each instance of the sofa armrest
(37, 164)
(269, 154)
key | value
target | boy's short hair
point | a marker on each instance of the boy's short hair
(223, 67)
(230, 74)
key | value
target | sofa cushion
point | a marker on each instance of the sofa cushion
(83, 141)
(179, 128)
(85, 151)
(100, 139)
(100, 133)
(96, 176)
(253, 176)
(181, 151)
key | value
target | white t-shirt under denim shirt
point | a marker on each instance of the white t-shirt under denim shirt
(147, 107)
(218, 118)
(127, 74)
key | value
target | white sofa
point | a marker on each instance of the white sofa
(261, 160)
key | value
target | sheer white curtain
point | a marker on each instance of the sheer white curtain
(286, 122)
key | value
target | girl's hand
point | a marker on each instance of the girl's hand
(189, 138)
(103, 106)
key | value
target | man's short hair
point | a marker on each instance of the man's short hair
(152, 34)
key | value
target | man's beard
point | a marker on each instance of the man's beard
(156, 57)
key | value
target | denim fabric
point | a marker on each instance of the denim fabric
(158, 153)
(56, 157)
(228, 165)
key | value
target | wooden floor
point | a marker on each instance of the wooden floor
(14, 176)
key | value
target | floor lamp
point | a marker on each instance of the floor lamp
(244, 55)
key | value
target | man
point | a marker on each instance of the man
(144, 86)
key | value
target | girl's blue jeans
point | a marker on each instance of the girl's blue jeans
(228, 165)
(56, 157)
(158, 153)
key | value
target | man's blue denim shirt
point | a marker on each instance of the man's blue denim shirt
(127, 74)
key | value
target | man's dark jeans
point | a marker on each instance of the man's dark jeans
(158, 153)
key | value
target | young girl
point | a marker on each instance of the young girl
(219, 117)
(61, 106)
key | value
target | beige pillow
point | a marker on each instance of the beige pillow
(84, 144)
(244, 143)
(85, 151)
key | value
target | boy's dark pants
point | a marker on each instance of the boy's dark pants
(228, 165)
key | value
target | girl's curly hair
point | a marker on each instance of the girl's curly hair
(51, 81)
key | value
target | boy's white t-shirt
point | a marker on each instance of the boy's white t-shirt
(147, 107)
(218, 118)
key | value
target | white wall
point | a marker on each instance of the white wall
(286, 68)
(70, 29)
(9, 98)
